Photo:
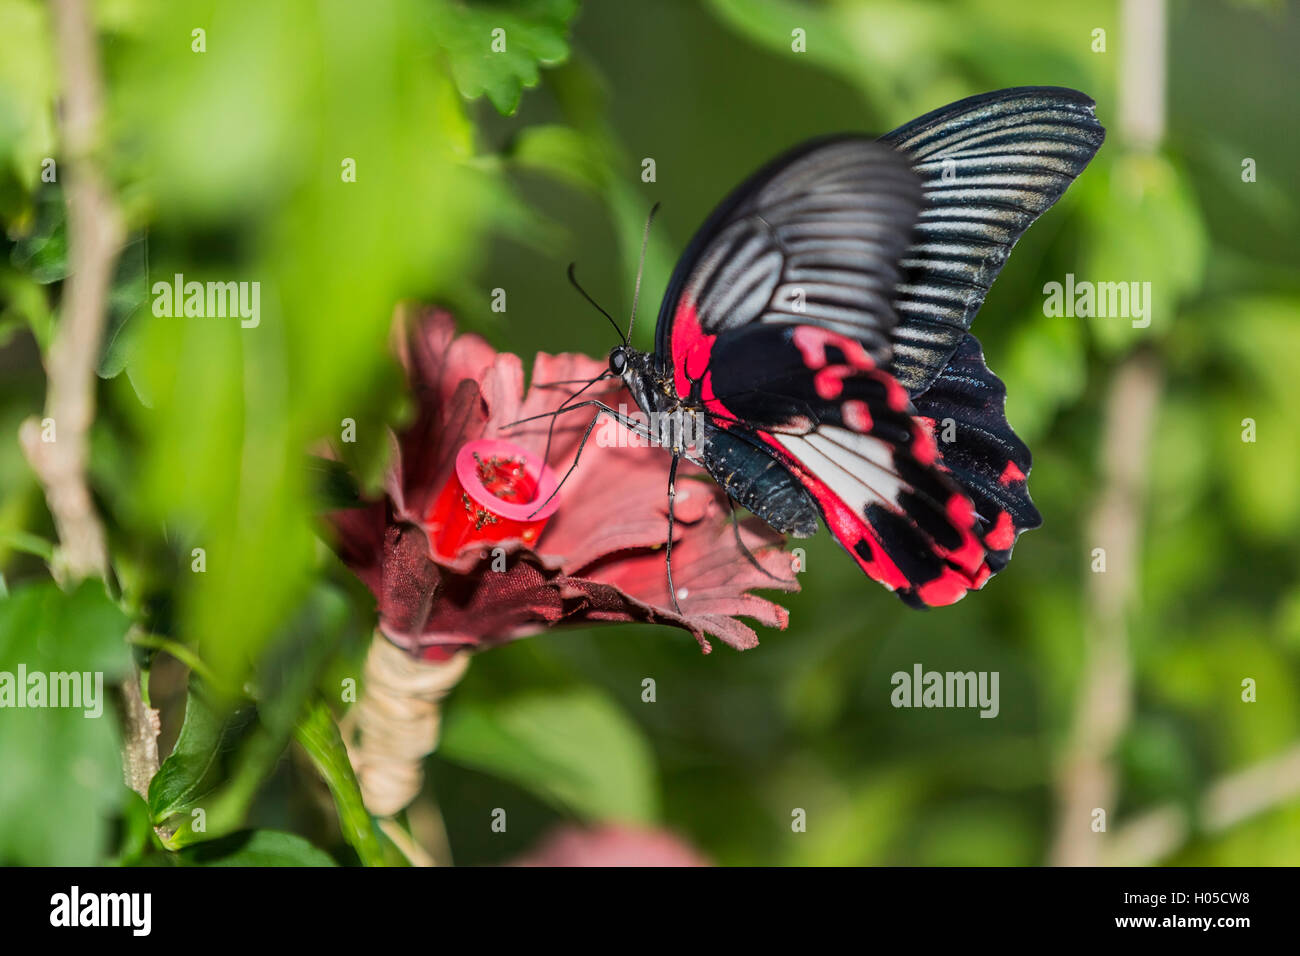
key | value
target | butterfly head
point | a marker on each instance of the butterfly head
(635, 369)
(618, 363)
(629, 364)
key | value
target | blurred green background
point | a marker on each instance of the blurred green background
(477, 172)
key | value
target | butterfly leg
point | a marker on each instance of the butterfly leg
(668, 548)
(601, 407)
(550, 432)
(740, 542)
(626, 421)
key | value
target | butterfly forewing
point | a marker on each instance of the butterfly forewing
(990, 166)
(813, 238)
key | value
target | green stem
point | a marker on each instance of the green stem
(178, 651)
(319, 736)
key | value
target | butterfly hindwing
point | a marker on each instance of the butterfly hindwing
(964, 409)
(844, 430)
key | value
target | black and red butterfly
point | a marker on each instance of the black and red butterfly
(812, 348)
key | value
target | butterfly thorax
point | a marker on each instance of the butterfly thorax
(672, 421)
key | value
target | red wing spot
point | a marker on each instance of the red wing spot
(969, 557)
(897, 394)
(811, 341)
(1003, 535)
(923, 447)
(1011, 473)
(948, 588)
(829, 381)
(961, 512)
(692, 349)
(856, 416)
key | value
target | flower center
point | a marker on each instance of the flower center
(504, 477)
(499, 492)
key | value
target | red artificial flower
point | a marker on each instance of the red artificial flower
(462, 499)
(611, 845)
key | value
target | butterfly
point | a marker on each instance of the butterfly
(812, 350)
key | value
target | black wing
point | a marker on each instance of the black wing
(851, 447)
(990, 166)
(965, 410)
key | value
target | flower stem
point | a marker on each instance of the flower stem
(397, 721)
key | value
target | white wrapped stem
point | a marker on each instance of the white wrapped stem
(397, 722)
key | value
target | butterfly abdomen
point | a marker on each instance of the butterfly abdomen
(757, 481)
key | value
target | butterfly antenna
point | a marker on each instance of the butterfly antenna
(636, 291)
(573, 278)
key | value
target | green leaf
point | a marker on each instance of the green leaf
(126, 298)
(329, 259)
(136, 826)
(42, 250)
(41, 253)
(60, 767)
(195, 766)
(496, 49)
(288, 674)
(24, 301)
(319, 736)
(575, 749)
(226, 783)
(1258, 335)
(1045, 369)
(255, 848)
(771, 24)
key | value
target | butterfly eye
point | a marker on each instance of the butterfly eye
(617, 361)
